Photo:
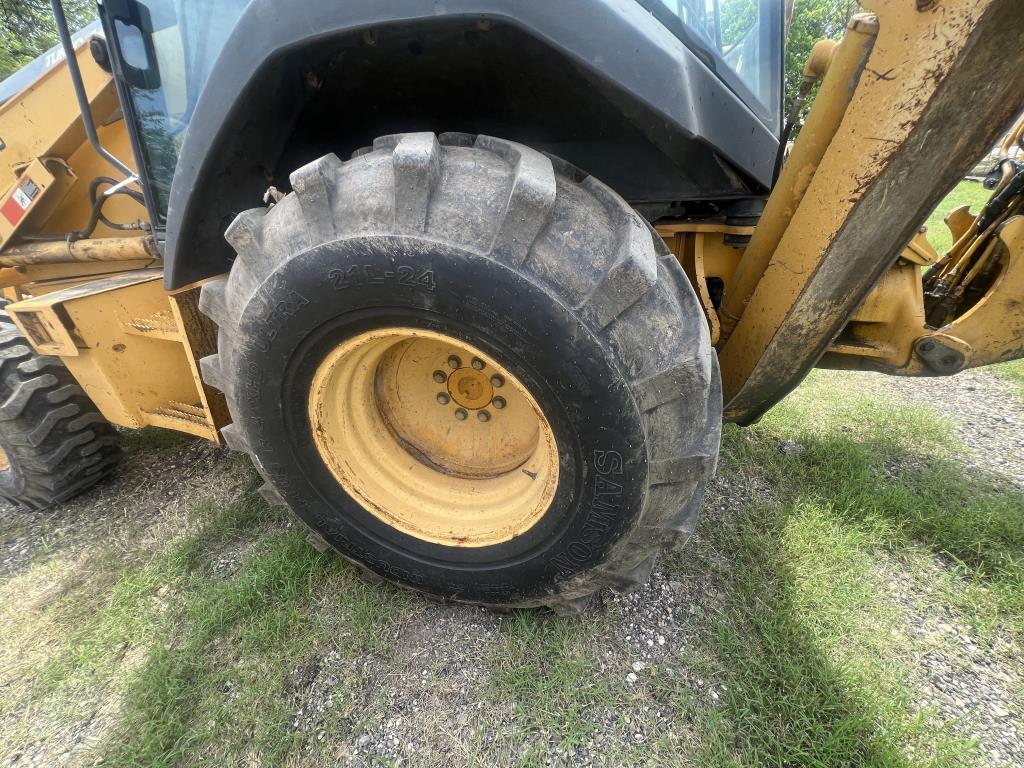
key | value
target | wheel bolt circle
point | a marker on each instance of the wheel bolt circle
(439, 377)
(461, 414)
(442, 398)
(498, 402)
(483, 416)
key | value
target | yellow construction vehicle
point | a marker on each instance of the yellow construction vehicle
(488, 355)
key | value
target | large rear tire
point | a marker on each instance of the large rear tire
(54, 444)
(470, 369)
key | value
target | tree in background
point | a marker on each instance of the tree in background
(27, 29)
(813, 20)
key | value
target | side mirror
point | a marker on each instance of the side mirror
(132, 28)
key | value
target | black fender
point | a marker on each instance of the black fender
(601, 83)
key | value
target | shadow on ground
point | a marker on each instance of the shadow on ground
(781, 646)
(798, 639)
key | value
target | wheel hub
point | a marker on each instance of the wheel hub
(470, 388)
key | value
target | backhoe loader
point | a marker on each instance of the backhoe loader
(475, 284)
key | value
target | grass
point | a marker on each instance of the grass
(1014, 372)
(970, 193)
(218, 680)
(801, 655)
(211, 644)
(905, 489)
(541, 666)
(211, 652)
(811, 651)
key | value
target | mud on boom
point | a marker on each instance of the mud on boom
(475, 289)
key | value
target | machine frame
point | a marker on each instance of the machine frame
(827, 275)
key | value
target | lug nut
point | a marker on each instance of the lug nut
(478, 363)
(461, 414)
(498, 402)
(439, 377)
(442, 398)
(454, 362)
(483, 416)
(497, 381)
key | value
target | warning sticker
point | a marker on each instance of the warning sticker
(21, 198)
(19, 201)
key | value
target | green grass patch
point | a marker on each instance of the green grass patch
(200, 637)
(124, 605)
(808, 650)
(219, 681)
(801, 655)
(542, 668)
(1014, 372)
(152, 439)
(891, 470)
(970, 193)
(213, 680)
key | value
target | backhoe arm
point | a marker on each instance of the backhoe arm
(934, 88)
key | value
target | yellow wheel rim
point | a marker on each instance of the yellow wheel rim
(433, 437)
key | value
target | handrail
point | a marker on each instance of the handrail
(80, 94)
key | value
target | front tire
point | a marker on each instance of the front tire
(539, 275)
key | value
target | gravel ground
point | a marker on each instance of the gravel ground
(983, 408)
(151, 490)
(424, 703)
(146, 501)
(434, 704)
(974, 683)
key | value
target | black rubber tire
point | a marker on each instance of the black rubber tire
(530, 260)
(57, 443)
